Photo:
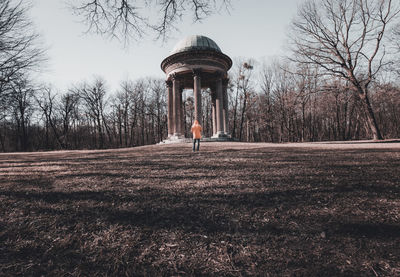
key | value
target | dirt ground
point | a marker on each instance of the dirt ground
(233, 209)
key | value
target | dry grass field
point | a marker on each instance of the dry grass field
(234, 209)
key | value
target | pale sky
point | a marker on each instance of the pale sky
(254, 29)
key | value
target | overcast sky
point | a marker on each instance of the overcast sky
(253, 28)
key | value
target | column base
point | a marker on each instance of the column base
(219, 138)
(221, 135)
(176, 138)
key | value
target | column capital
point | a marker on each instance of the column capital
(213, 89)
(196, 72)
(168, 83)
(213, 94)
(175, 77)
(225, 81)
(219, 75)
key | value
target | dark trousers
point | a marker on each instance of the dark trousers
(194, 144)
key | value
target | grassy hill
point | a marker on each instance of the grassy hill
(325, 209)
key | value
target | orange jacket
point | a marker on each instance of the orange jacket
(196, 130)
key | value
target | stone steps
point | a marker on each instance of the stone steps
(190, 140)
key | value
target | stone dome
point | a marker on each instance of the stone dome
(194, 43)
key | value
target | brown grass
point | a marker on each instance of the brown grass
(322, 209)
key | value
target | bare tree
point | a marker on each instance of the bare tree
(285, 101)
(266, 100)
(46, 100)
(20, 54)
(158, 104)
(130, 18)
(67, 109)
(21, 103)
(395, 38)
(121, 106)
(242, 91)
(19, 50)
(346, 39)
(93, 97)
(387, 102)
(306, 78)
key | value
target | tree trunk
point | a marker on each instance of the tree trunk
(247, 130)
(24, 137)
(100, 130)
(235, 113)
(371, 120)
(2, 143)
(120, 128)
(242, 116)
(303, 121)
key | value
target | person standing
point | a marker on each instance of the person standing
(196, 130)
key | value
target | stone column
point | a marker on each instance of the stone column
(219, 107)
(170, 95)
(197, 95)
(176, 113)
(213, 112)
(182, 111)
(225, 106)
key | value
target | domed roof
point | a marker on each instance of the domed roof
(195, 43)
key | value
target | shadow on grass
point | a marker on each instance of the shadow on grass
(294, 212)
(210, 213)
(381, 231)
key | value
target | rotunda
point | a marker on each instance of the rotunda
(197, 63)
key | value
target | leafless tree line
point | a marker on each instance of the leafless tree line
(288, 102)
(87, 117)
(268, 103)
(340, 83)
